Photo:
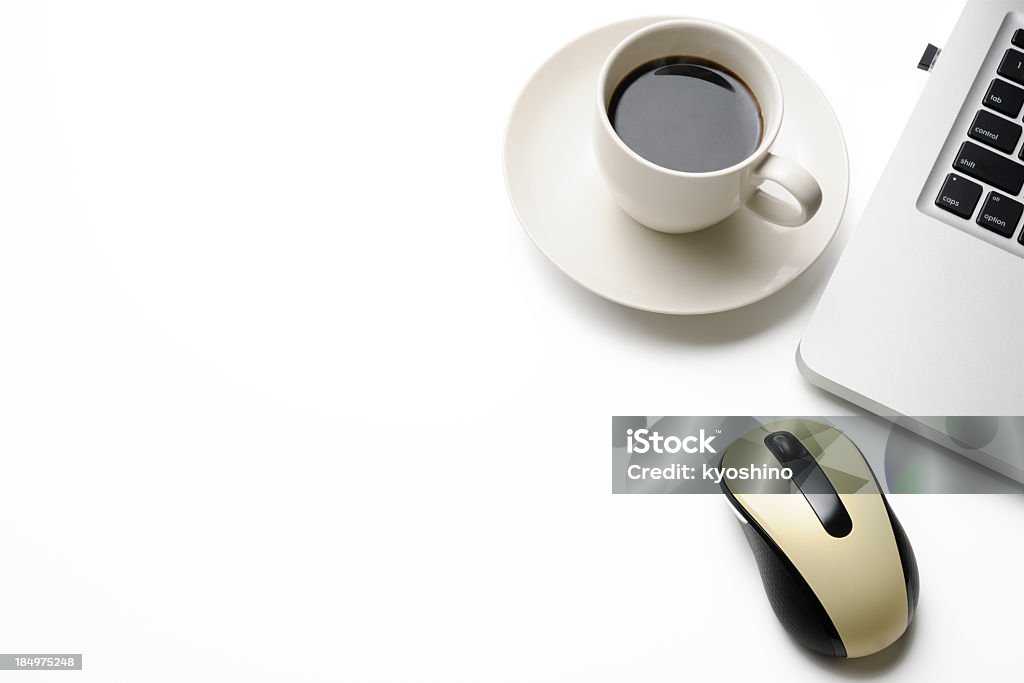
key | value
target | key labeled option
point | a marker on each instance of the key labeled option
(989, 167)
(1004, 98)
(995, 131)
(1000, 214)
(958, 195)
(1012, 66)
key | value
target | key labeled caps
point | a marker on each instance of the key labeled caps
(989, 167)
(1004, 98)
(995, 131)
(958, 195)
(1000, 214)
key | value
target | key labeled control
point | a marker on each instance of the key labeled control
(995, 131)
(1004, 98)
(1012, 66)
(990, 167)
(1000, 214)
(958, 195)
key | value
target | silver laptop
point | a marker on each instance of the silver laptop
(924, 314)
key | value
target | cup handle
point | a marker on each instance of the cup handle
(795, 180)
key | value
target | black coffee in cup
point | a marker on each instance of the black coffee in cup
(686, 114)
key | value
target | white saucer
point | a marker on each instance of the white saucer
(562, 203)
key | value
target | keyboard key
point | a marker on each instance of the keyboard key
(1004, 98)
(1000, 214)
(1012, 66)
(990, 167)
(958, 195)
(995, 131)
(1018, 37)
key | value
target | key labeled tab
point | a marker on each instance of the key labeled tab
(990, 167)
(1000, 214)
(995, 131)
(958, 195)
(1012, 66)
(1004, 98)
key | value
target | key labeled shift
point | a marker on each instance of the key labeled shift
(990, 167)
(958, 195)
(1000, 214)
(995, 131)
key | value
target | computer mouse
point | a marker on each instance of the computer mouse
(836, 564)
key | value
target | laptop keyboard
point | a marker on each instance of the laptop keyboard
(986, 172)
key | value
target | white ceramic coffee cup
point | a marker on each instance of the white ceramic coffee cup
(676, 201)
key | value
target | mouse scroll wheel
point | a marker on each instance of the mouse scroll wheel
(787, 447)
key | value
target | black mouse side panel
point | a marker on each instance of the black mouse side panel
(907, 560)
(793, 601)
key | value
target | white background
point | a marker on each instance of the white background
(287, 394)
